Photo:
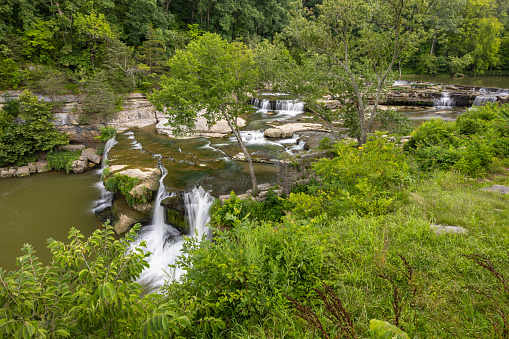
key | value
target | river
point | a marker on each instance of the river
(42, 206)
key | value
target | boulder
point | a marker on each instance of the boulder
(12, 171)
(148, 176)
(42, 166)
(123, 224)
(442, 229)
(79, 166)
(23, 171)
(496, 189)
(5, 174)
(72, 148)
(32, 167)
(91, 155)
(287, 130)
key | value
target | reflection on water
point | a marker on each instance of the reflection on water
(477, 81)
(42, 206)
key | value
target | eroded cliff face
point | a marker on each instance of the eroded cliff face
(137, 112)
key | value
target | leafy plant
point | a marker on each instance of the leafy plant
(107, 133)
(88, 289)
(62, 160)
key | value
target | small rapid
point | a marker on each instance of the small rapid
(106, 199)
(164, 242)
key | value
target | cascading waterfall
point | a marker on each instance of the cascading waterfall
(482, 100)
(284, 107)
(444, 101)
(164, 241)
(490, 96)
(197, 203)
(106, 196)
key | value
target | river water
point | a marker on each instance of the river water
(42, 206)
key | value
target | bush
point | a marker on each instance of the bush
(62, 160)
(360, 179)
(434, 132)
(247, 271)
(107, 133)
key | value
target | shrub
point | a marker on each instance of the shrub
(62, 160)
(88, 290)
(247, 271)
(107, 133)
(433, 133)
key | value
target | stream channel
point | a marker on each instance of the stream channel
(35, 208)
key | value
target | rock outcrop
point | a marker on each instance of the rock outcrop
(138, 204)
(496, 189)
(287, 130)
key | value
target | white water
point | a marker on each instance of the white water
(444, 101)
(490, 96)
(106, 196)
(60, 119)
(164, 241)
(482, 100)
(134, 143)
(281, 107)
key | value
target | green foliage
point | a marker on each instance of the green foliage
(225, 214)
(123, 184)
(357, 179)
(254, 266)
(99, 101)
(88, 289)
(432, 133)
(62, 160)
(470, 144)
(27, 129)
(107, 133)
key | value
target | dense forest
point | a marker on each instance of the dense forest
(124, 44)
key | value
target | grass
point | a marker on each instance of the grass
(448, 295)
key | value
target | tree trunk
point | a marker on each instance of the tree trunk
(236, 132)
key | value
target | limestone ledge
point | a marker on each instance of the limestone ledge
(88, 160)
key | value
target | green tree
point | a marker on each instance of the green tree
(152, 53)
(99, 100)
(361, 40)
(30, 130)
(142, 13)
(211, 78)
(94, 30)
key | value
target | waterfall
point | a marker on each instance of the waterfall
(289, 106)
(106, 196)
(444, 101)
(197, 203)
(284, 107)
(164, 242)
(482, 100)
(60, 119)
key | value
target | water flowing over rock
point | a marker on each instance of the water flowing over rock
(165, 241)
(444, 101)
(106, 199)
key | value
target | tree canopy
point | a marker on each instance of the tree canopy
(209, 79)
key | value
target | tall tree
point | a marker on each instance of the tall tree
(211, 78)
(362, 40)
